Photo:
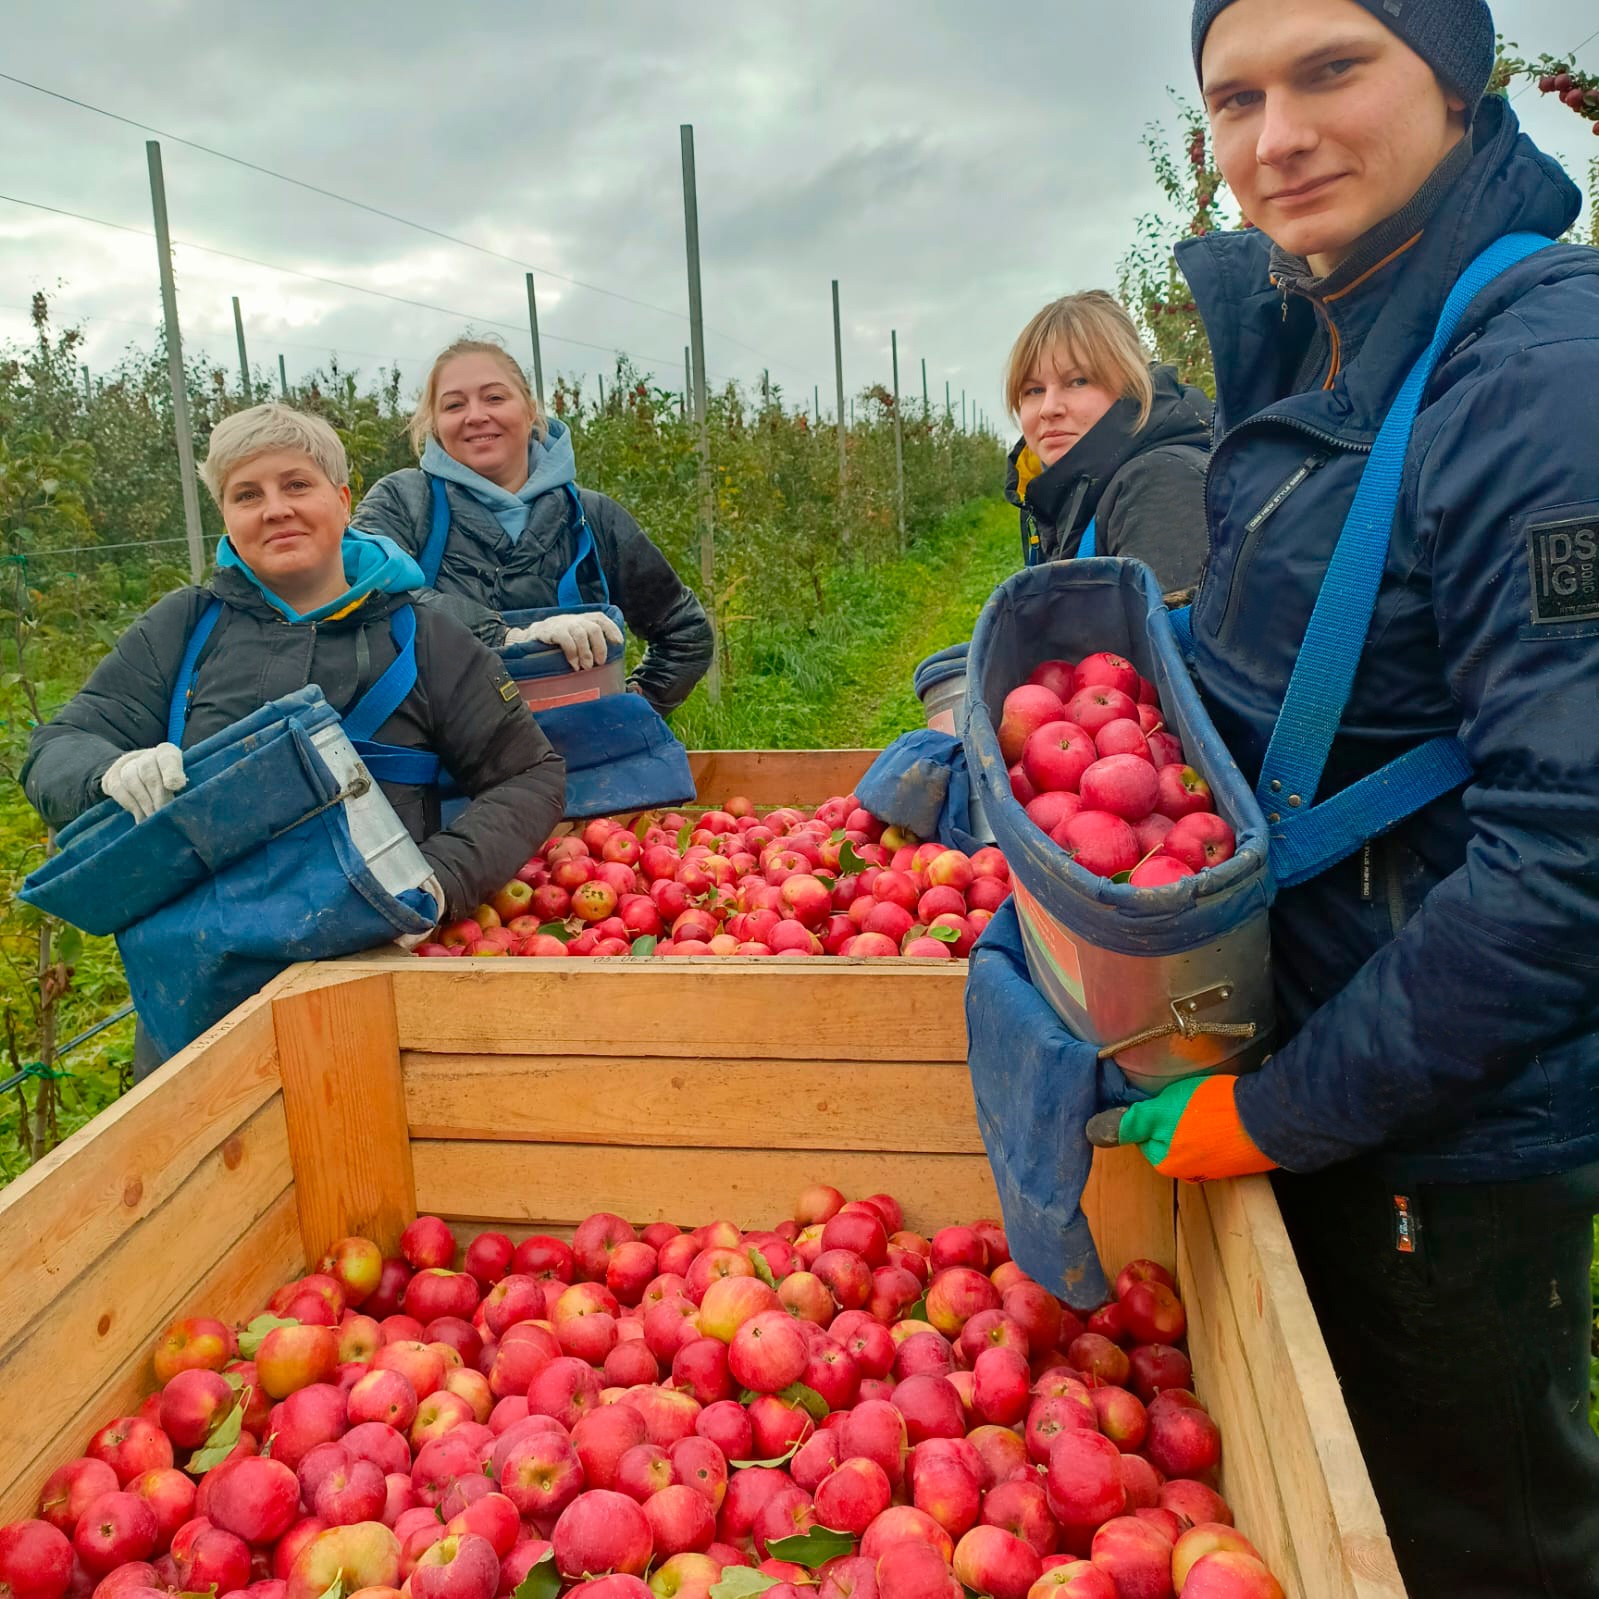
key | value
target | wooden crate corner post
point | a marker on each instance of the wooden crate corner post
(344, 1101)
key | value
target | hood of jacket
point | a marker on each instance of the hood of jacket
(1064, 498)
(551, 464)
(373, 566)
(1258, 329)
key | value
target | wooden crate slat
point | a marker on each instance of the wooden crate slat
(61, 1215)
(1321, 1471)
(776, 777)
(1225, 1380)
(339, 1059)
(752, 1187)
(112, 1312)
(757, 1009)
(234, 1289)
(581, 1099)
(1130, 1210)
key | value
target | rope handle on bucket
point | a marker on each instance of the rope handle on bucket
(1186, 1022)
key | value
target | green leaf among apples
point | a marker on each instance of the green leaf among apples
(335, 1589)
(542, 1581)
(684, 834)
(736, 1582)
(221, 1440)
(644, 946)
(849, 863)
(918, 1311)
(806, 1398)
(763, 1269)
(813, 1547)
(251, 1336)
(561, 930)
(945, 935)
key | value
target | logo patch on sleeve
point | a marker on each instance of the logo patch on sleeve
(1564, 563)
(507, 688)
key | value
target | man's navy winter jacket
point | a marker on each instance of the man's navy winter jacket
(1442, 985)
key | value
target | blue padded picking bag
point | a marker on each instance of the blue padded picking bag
(1163, 974)
(1036, 1085)
(249, 869)
(920, 781)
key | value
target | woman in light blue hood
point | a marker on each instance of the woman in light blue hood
(300, 598)
(523, 536)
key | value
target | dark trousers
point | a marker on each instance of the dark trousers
(1465, 1363)
(146, 1056)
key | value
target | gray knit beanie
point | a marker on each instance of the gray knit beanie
(1454, 37)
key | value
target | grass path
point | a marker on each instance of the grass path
(846, 681)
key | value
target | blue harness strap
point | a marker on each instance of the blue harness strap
(388, 763)
(1090, 540)
(1307, 838)
(183, 690)
(432, 556)
(568, 595)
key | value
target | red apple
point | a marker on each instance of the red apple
(1084, 1480)
(1158, 871)
(1201, 839)
(116, 1529)
(601, 1531)
(1124, 785)
(35, 1560)
(193, 1341)
(1056, 756)
(1181, 791)
(1097, 706)
(991, 1561)
(1100, 843)
(427, 1242)
(1025, 709)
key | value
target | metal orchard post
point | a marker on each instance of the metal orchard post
(180, 390)
(283, 377)
(602, 390)
(838, 371)
(696, 322)
(926, 410)
(963, 410)
(88, 391)
(688, 384)
(244, 359)
(949, 414)
(533, 328)
(899, 442)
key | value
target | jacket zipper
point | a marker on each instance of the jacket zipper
(1319, 435)
(1246, 552)
(1397, 915)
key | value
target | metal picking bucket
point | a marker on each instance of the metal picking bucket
(1168, 982)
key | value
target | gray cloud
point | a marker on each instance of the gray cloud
(951, 165)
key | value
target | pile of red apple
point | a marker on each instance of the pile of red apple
(1093, 763)
(788, 883)
(835, 1406)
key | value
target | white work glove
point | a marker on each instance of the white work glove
(409, 941)
(142, 781)
(583, 637)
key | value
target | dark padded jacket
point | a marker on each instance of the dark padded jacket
(1145, 490)
(1440, 988)
(485, 574)
(463, 709)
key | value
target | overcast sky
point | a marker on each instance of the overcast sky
(952, 165)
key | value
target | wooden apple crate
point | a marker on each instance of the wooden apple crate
(522, 1095)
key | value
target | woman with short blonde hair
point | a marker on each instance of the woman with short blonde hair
(1113, 450)
(495, 518)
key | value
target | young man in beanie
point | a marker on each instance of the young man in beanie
(1433, 1102)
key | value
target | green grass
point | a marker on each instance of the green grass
(845, 681)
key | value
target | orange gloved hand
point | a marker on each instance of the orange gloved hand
(1191, 1130)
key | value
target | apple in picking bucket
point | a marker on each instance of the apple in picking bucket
(1025, 710)
(1124, 785)
(1099, 842)
(1056, 755)
(1200, 840)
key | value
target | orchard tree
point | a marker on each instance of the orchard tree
(1152, 287)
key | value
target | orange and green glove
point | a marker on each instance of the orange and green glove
(1190, 1130)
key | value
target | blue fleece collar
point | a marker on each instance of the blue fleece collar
(372, 565)
(551, 464)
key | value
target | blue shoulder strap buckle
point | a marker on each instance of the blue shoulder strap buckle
(1307, 838)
